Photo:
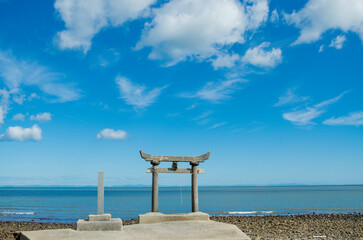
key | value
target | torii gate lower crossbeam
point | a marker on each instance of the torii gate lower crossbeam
(155, 161)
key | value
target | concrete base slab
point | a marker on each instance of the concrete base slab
(161, 231)
(156, 217)
(115, 224)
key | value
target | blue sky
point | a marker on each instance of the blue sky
(273, 89)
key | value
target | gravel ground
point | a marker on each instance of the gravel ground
(312, 226)
(324, 226)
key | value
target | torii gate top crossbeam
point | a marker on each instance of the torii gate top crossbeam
(197, 159)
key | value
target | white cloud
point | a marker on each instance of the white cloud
(257, 13)
(216, 91)
(41, 117)
(289, 98)
(274, 16)
(16, 73)
(111, 134)
(4, 104)
(353, 119)
(22, 134)
(304, 116)
(85, 18)
(136, 95)
(182, 29)
(338, 42)
(319, 16)
(19, 117)
(260, 57)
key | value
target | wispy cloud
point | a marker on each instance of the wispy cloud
(192, 107)
(274, 17)
(220, 124)
(353, 119)
(4, 104)
(172, 115)
(18, 96)
(203, 118)
(22, 134)
(19, 117)
(225, 60)
(306, 115)
(216, 91)
(290, 97)
(16, 73)
(111, 134)
(203, 115)
(33, 96)
(136, 95)
(41, 117)
(321, 48)
(338, 42)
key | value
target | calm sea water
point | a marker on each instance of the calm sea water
(70, 204)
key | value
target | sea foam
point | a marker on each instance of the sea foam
(17, 213)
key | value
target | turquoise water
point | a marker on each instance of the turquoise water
(68, 204)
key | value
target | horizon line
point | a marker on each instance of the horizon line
(184, 186)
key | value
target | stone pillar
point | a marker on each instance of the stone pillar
(194, 186)
(155, 187)
(100, 194)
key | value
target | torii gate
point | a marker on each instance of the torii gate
(155, 170)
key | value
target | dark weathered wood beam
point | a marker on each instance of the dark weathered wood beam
(171, 170)
(156, 158)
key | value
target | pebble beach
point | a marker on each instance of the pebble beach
(307, 226)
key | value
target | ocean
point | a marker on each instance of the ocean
(68, 204)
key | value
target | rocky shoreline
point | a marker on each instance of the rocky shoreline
(307, 226)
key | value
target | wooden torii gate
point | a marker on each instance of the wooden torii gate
(155, 170)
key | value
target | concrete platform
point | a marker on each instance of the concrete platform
(114, 224)
(161, 231)
(99, 217)
(99, 222)
(156, 217)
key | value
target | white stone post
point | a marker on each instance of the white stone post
(100, 221)
(100, 194)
